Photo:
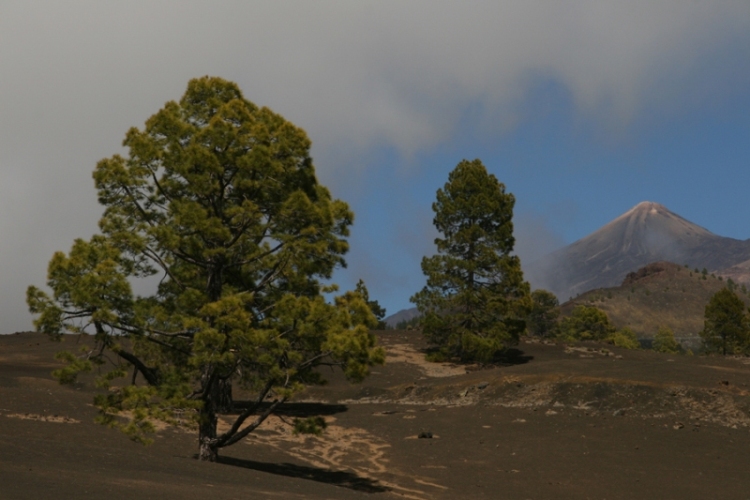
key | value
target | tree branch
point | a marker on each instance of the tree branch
(151, 374)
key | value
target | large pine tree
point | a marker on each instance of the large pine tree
(475, 299)
(218, 198)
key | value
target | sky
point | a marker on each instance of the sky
(581, 108)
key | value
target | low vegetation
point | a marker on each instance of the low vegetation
(661, 294)
(727, 326)
(665, 342)
(591, 323)
(543, 317)
(624, 338)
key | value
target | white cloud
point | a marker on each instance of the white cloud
(357, 75)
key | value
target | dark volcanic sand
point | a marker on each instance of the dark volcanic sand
(577, 424)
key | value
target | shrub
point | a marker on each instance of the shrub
(624, 338)
(664, 341)
(586, 323)
(545, 309)
(726, 326)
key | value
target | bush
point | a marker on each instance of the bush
(586, 323)
(664, 341)
(309, 425)
(726, 324)
(624, 338)
(542, 318)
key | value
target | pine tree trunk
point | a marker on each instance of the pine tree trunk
(207, 450)
(223, 396)
(208, 419)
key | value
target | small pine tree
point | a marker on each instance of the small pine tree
(586, 323)
(726, 328)
(475, 301)
(624, 338)
(545, 310)
(376, 309)
(664, 341)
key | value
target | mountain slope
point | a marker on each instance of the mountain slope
(647, 233)
(660, 294)
(402, 315)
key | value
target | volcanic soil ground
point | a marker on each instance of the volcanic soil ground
(553, 422)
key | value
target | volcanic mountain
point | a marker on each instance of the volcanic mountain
(647, 233)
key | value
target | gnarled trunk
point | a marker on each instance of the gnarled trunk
(214, 395)
(223, 396)
(207, 449)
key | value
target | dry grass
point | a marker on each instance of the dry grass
(674, 297)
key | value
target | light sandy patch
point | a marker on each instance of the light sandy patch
(726, 369)
(588, 351)
(403, 353)
(338, 448)
(530, 396)
(57, 419)
(427, 483)
(722, 409)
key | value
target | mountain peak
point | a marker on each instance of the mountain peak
(648, 226)
(646, 210)
(648, 207)
(646, 233)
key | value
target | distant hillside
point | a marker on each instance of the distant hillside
(647, 233)
(659, 294)
(402, 315)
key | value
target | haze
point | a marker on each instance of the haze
(582, 109)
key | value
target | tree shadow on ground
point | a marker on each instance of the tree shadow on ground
(294, 409)
(511, 357)
(336, 478)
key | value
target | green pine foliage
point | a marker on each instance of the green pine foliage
(726, 327)
(310, 425)
(544, 314)
(217, 197)
(375, 307)
(665, 342)
(475, 300)
(624, 338)
(586, 323)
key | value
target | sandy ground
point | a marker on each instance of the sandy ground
(556, 422)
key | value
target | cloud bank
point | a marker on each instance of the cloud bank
(356, 75)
